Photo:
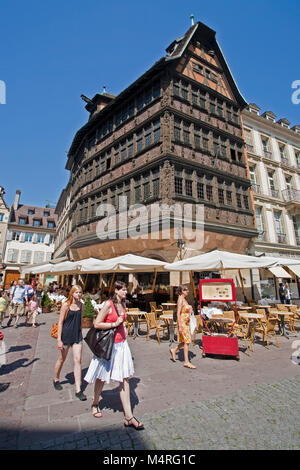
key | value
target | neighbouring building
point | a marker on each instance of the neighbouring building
(273, 150)
(30, 237)
(174, 136)
(4, 216)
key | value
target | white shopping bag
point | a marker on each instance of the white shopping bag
(193, 323)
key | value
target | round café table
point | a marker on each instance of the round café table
(282, 313)
(136, 314)
(169, 318)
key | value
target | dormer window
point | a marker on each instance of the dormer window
(36, 222)
(22, 220)
(46, 213)
(30, 211)
(50, 224)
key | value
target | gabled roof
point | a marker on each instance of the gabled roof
(174, 52)
(201, 31)
(22, 212)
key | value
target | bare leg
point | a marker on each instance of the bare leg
(125, 399)
(59, 363)
(175, 350)
(77, 354)
(98, 387)
(186, 357)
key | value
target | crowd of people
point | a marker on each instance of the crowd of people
(22, 298)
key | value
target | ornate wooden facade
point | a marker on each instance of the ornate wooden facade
(173, 136)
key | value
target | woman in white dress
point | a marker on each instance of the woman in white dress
(120, 366)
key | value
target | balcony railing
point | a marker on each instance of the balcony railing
(267, 154)
(291, 195)
(284, 161)
(274, 193)
(256, 188)
(281, 237)
(250, 148)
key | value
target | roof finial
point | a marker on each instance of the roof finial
(104, 90)
(192, 19)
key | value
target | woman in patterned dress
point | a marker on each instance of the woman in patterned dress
(183, 323)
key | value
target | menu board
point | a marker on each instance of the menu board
(217, 289)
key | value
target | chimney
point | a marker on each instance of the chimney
(17, 199)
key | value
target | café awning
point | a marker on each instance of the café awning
(278, 271)
(295, 269)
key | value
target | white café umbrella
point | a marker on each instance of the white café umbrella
(125, 263)
(37, 269)
(217, 260)
(65, 267)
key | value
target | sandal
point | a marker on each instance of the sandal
(189, 366)
(98, 413)
(139, 427)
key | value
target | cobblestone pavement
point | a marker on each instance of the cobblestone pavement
(263, 417)
(223, 404)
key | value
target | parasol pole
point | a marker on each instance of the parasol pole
(242, 285)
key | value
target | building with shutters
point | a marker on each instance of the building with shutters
(174, 136)
(30, 237)
(273, 150)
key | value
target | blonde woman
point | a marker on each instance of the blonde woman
(69, 335)
(183, 323)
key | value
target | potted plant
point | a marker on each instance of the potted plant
(88, 314)
(46, 303)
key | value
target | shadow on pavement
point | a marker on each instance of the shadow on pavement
(8, 368)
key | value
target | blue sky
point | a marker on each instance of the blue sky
(53, 51)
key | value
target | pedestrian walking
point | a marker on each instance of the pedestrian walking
(3, 306)
(69, 335)
(32, 311)
(120, 366)
(287, 293)
(183, 323)
(18, 301)
(281, 293)
(39, 293)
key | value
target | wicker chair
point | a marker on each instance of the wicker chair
(152, 324)
(265, 330)
(241, 332)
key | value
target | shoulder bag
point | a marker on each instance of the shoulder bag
(101, 341)
(54, 328)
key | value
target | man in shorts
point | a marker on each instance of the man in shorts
(17, 298)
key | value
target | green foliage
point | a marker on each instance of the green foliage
(46, 302)
(88, 308)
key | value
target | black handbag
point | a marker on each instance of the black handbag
(100, 341)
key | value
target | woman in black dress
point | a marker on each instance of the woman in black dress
(69, 335)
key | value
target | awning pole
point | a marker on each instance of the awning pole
(154, 281)
(243, 288)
